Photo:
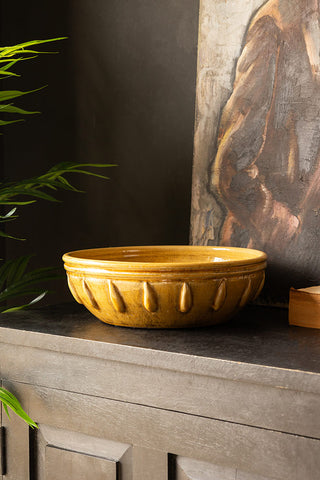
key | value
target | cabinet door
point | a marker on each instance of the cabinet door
(73, 441)
(50, 453)
(84, 437)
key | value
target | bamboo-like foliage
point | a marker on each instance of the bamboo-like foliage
(16, 280)
(9, 400)
(9, 57)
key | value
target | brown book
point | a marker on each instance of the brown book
(304, 307)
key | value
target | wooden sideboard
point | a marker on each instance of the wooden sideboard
(238, 401)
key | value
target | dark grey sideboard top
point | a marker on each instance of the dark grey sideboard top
(258, 338)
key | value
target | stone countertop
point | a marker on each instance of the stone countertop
(257, 336)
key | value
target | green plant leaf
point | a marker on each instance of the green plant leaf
(16, 281)
(13, 270)
(18, 294)
(7, 73)
(6, 235)
(26, 285)
(17, 268)
(13, 61)
(7, 122)
(9, 400)
(9, 216)
(20, 47)
(6, 409)
(9, 94)
(27, 305)
(13, 109)
(28, 202)
(8, 64)
(9, 56)
(53, 179)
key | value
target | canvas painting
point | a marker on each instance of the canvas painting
(256, 178)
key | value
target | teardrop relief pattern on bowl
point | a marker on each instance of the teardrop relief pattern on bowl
(150, 298)
(220, 296)
(90, 295)
(185, 302)
(260, 285)
(116, 298)
(247, 292)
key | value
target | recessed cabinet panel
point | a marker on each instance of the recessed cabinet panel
(249, 476)
(63, 454)
(190, 469)
(62, 464)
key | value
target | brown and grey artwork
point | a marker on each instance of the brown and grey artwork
(256, 180)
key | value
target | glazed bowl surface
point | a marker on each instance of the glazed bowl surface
(165, 286)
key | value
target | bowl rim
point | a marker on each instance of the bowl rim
(78, 258)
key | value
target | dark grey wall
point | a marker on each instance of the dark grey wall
(122, 90)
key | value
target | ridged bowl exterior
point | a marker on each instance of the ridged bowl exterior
(166, 286)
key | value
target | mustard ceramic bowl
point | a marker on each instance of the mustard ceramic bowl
(165, 286)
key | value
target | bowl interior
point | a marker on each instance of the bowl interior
(169, 255)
